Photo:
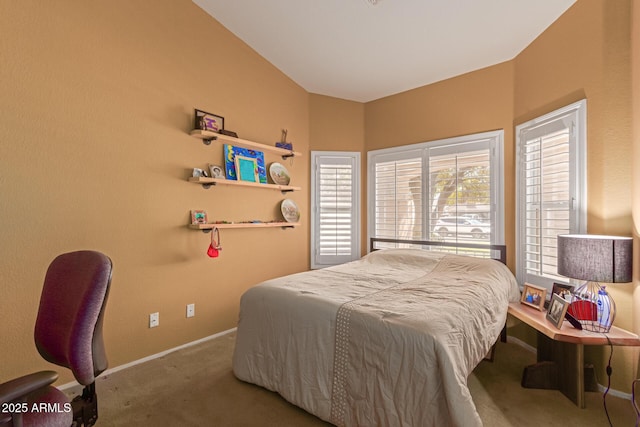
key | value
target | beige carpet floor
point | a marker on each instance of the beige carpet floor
(196, 387)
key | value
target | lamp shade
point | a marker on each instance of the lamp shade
(595, 258)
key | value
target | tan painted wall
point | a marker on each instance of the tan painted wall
(585, 54)
(97, 101)
(335, 124)
(635, 185)
(338, 125)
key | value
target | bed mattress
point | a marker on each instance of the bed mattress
(388, 340)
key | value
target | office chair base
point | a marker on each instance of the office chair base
(85, 407)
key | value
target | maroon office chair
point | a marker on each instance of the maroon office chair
(68, 332)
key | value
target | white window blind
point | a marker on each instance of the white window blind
(460, 193)
(398, 199)
(448, 190)
(551, 190)
(335, 209)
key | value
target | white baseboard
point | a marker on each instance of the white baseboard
(615, 393)
(149, 358)
(601, 388)
(521, 343)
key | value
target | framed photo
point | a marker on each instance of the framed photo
(230, 152)
(557, 309)
(216, 171)
(208, 121)
(246, 168)
(560, 289)
(563, 290)
(198, 217)
(533, 296)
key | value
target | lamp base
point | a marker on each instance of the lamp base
(593, 307)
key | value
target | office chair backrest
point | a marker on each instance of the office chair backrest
(68, 329)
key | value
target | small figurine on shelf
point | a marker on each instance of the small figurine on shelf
(284, 144)
(197, 173)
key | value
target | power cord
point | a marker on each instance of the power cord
(633, 389)
(609, 372)
(633, 400)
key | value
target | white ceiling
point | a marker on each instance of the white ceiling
(354, 50)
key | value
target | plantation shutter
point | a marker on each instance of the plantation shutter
(414, 188)
(398, 197)
(549, 195)
(335, 210)
(460, 192)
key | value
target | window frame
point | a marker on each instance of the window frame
(577, 112)
(495, 140)
(355, 158)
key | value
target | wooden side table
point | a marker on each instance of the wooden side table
(560, 352)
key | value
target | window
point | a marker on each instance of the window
(398, 196)
(460, 191)
(551, 189)
(335, 209)
(448, 190)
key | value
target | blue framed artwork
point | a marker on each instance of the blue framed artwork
(231, 151)
(246, 169)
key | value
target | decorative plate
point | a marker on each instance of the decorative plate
(290, 210)
(279, 174)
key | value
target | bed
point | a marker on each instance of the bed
(388, 340)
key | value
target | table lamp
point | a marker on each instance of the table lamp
(594, 258)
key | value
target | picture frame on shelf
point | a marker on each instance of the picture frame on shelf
(208, 121)
(246, 168)
(557, 310)
(560, 289)
(198, 217)
(229, 154)
(533, 296)
(216, 171)
(563, 290)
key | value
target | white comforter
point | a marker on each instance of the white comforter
(388, 340)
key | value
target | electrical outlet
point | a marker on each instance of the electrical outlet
(154, 320)
(191, 310)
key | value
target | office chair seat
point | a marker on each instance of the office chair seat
(47, 399)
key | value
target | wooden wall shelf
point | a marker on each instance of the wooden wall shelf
(208, 136)
(208, 227)
(207, 182)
